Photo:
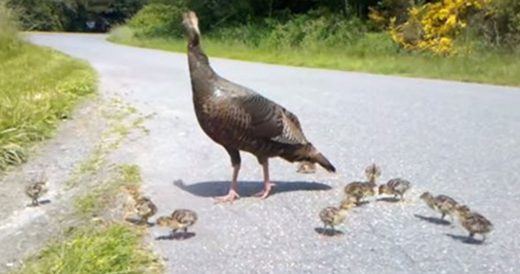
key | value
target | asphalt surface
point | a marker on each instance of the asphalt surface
(453, 138)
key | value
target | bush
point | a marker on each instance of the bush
(434, 26)
(156, 20)
(498, 24)
(310, 31)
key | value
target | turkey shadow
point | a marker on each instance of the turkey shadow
(247, 188)
(41, 202)
(328, 232)
(433, 220)
(176, 236)
(388, 199)
(465, 239)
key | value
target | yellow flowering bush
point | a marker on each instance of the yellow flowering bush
(433, 26)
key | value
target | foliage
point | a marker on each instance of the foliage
(8, 34)
(72, 15)
(34, 101)
(111, 248)
(498, 24)
(158, 19)
(434, 26)
(373, 52)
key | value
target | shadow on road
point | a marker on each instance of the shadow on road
(328, 232)
(246, 188)
(432, 220)
(465, 239)
(388, 199)
(176, 236)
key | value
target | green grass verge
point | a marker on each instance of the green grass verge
(364, 56)
(101, 246)
(38, 88)
(112, 248)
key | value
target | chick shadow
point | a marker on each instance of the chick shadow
(176, 236)
(247, 188)
(41, 202)
(328, 232)
(433, 220)
(465, 239)
(388, 199)
(136, 221)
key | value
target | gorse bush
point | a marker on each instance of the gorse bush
(434, 26)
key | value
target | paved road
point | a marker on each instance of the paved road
(446, 137)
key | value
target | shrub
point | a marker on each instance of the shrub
(310, 31)
(155, 20)
(498, 24)
(433, 26)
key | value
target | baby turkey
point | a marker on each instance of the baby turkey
(359, 190)
(306, 167)
(442, 203)
(332, 216)
(145, 208)
(372, 172)
(36, 189)
(473, 222)
(179, 219)
(395, 187)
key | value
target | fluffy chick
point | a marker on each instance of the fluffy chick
(372, 172)
(395, 187)
(441, 203)
(359, 190)
(306, 167)
(36, 189)
(332, 216)
(145, 208)
(179, 219)
(473, 222)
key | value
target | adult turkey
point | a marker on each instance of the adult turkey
(238, 118)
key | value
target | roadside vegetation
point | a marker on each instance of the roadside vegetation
(103, 245)
(38, 88)
(476, 40)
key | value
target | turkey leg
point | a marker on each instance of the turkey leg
(233, 190)
(267, 182)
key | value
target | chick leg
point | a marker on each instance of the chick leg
(35, 202)
(267, 182)
(233, 190)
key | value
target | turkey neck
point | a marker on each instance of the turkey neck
(202, 75)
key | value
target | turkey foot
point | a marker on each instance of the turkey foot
(267, 190)
(230, 197)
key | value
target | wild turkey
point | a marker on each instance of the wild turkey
(238, 118)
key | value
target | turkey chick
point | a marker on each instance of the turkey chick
(372, 172)
(145, 208)
(473, 222)
(441, 203)
(359, 191)
(332, 216)
(36, 189)
(179, 219)
(306, 167)
(395, 187)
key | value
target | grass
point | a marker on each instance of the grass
(101, 246)
(39, 87)
(365, 56)
(101, 197)
(112, 248)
